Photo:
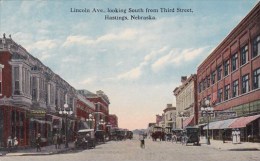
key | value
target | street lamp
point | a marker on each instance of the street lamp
(207, 111)
(66, 112)
(182, 115)
(90, 120)
(101, 122)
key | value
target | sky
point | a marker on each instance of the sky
(137, 63)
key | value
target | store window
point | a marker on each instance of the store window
(256, 46)
(245, 83)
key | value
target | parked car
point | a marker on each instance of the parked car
(100, 136)
(191, 135)
(85, 139)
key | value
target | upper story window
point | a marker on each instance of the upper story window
(213, 75)
(34, 88)
(226, 68)
(244, 54)
(245, 83)
(256, 46)
(208, 81)
(226, 92)
(256, 78)
(1, 78)
(235, 88)
(220, 94)
(234, 62)
(16, 81)
(219, 70)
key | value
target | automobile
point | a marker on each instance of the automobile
(191, 135)
(129, 135)
(85, 139)
(177, 135)
(100, 136)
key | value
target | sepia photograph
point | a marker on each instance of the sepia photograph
(130, 80)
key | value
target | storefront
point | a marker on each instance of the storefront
(248, 126)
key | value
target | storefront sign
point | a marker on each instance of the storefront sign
(37, 114)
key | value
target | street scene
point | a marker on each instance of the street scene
(130, 150)
(155, 80)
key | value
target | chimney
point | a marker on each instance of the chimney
(183, 79)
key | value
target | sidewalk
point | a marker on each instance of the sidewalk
(228, 145)
(46, 150)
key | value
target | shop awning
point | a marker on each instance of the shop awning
(214, 125)
(188, 121)
(243, 121)
(226, 123)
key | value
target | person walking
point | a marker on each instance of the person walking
(55, 141)
(223, 135)
(141, 138)
(38, 142)
(15, 142)
(59, 141)
(9, 143)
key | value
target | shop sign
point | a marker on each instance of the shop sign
(36, 114)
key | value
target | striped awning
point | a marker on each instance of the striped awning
(188, 121)
(243, 121)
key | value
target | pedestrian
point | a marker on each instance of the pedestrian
(223, 135)
(59, 141)
(9, 143)
(15, 142)
(55, 141)
(38, 142)
(141, 138)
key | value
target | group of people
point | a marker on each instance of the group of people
(12, 143)
(57, 141)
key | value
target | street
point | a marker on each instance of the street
(130, 150)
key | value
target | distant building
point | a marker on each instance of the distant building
(186, 102)
(101, 101)
(113, 120)
(170, 116)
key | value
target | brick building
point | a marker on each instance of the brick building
(113, 120)
(101, 102)
(230, 78)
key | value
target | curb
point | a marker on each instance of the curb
(36, 154)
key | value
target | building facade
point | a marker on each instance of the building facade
(101, 101)
(32, 98)
(113, 120)
(230, 76)
(170, 116)
(186, 102)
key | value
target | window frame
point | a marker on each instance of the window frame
(245, 84)
(256, 46)
(244, 55)
(256, 78)
(234, 61)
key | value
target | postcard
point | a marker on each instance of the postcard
(129, 80)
